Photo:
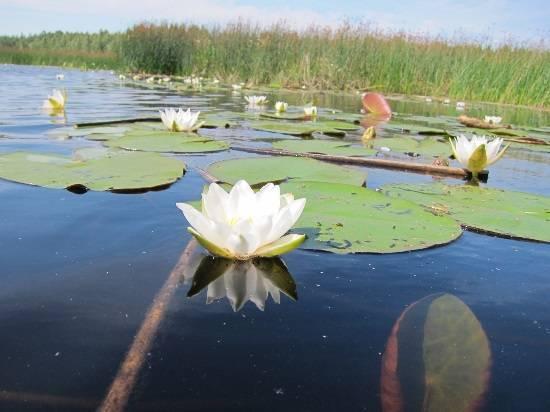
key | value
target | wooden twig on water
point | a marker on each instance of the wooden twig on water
(117, 121)
(121, 388)
(365, 161)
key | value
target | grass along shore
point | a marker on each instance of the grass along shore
(348, 58)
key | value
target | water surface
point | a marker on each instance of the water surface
(80, 271)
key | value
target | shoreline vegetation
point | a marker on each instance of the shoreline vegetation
(346, 58)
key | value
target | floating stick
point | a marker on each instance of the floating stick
(363, 161)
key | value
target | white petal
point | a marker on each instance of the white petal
(216, 233)
(268, 200)
(215, 203)
(242, 201)
(285, 219)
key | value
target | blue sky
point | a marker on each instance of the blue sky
(496, 19)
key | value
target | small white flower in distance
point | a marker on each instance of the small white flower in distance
(281, 107)
(493, 119)
(180, 121)
(477, 153)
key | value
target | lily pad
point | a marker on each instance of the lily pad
(284, 116)
(414, 128)
(297, 128)
(338, 125)
(329, 147)
(341, 218)
(493, 211)
(68, 132)
(261, 170)
(100, 171)
(168, 142)
(437, 358)
(409, 145)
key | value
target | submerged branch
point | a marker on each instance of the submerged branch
(121, 388)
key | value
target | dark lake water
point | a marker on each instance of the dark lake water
(79, 273)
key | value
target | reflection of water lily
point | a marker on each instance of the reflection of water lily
(240, 282)
(310, 111)
(255, 101)
(180, 121)
(242, 224)
(477, 153)
(57, 100)
(493, 119)
(281, 107)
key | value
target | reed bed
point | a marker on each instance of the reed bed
(347, 58)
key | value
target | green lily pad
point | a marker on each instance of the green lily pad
(261, 170)
(341, 218)
(214, 120)
(330, 147)
(414, 128)
(284, 116)
(493, 211)
(437, 358)
(94, 170)
(168, 142)
(68, 132)
(338, 125)
(409, 145)
(297, 128)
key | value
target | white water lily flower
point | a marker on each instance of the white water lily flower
(236, 86)
(447, 101)
(121, 77)
(256, 101)
(428, 99)
(56, 101)
(477, 153)
(460, 105)
(243, 282)
(310, 111)
(281, 107)
(242, 224)
(493, 119)
(180, 121)
(60, 76)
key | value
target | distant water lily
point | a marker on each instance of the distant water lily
(428, 99)
(242, 224)
(121, 77)
(56, 101)
(310, 111)
(477, 153)
(493, 119)
(60, 76)
(236, 86)
(256, 101)
(460, 105)
(281, 107)
(446, 101)
(180, 121)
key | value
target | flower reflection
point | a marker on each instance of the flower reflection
(243, 281)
